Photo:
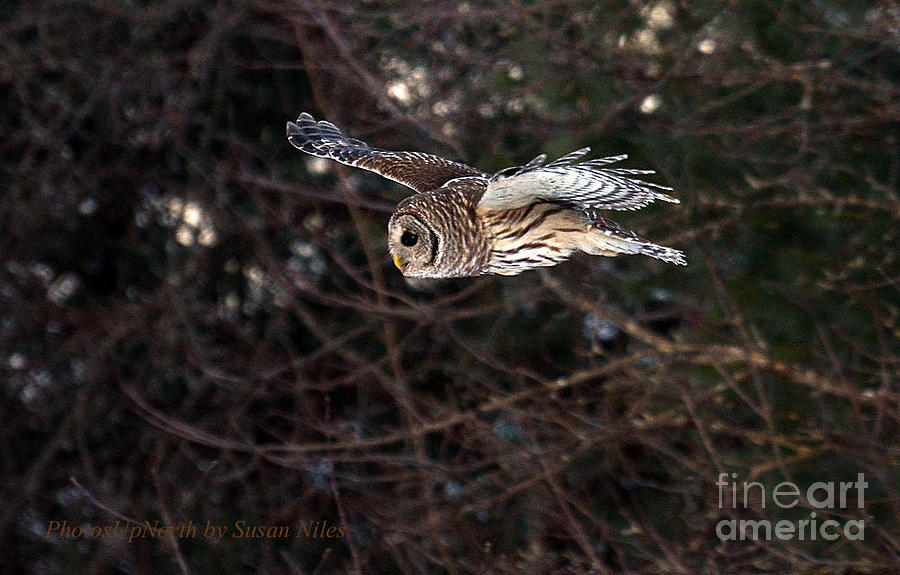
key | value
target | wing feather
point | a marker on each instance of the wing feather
(585, 185)
(619, 239)
(534, 164)
(569, 158)
(421, 172)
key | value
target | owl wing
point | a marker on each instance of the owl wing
(421, 172)
(619, 239)
(582, 185)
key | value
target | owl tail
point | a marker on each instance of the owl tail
(608, 238)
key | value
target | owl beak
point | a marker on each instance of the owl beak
(398, 262)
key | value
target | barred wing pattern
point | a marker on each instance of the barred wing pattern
(633, 243)
(421, 172)
(582, 186)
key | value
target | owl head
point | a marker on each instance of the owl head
(415, 244)
(437, 234)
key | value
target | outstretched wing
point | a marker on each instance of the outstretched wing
(584, 185)
(421, 172)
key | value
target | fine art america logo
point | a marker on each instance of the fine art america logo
(820, 495)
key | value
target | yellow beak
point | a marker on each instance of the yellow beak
(398, 262)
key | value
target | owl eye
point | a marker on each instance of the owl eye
(409, 239)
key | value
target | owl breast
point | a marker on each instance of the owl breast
(538, 235)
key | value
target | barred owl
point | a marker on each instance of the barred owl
(463, 222)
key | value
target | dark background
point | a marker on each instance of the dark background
(201, 323)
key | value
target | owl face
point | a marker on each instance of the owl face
(414, 244)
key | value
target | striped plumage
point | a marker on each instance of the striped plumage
(463, 222)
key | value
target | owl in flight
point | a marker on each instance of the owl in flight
(462, 222)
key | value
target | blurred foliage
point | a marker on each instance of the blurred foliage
(200, 323)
